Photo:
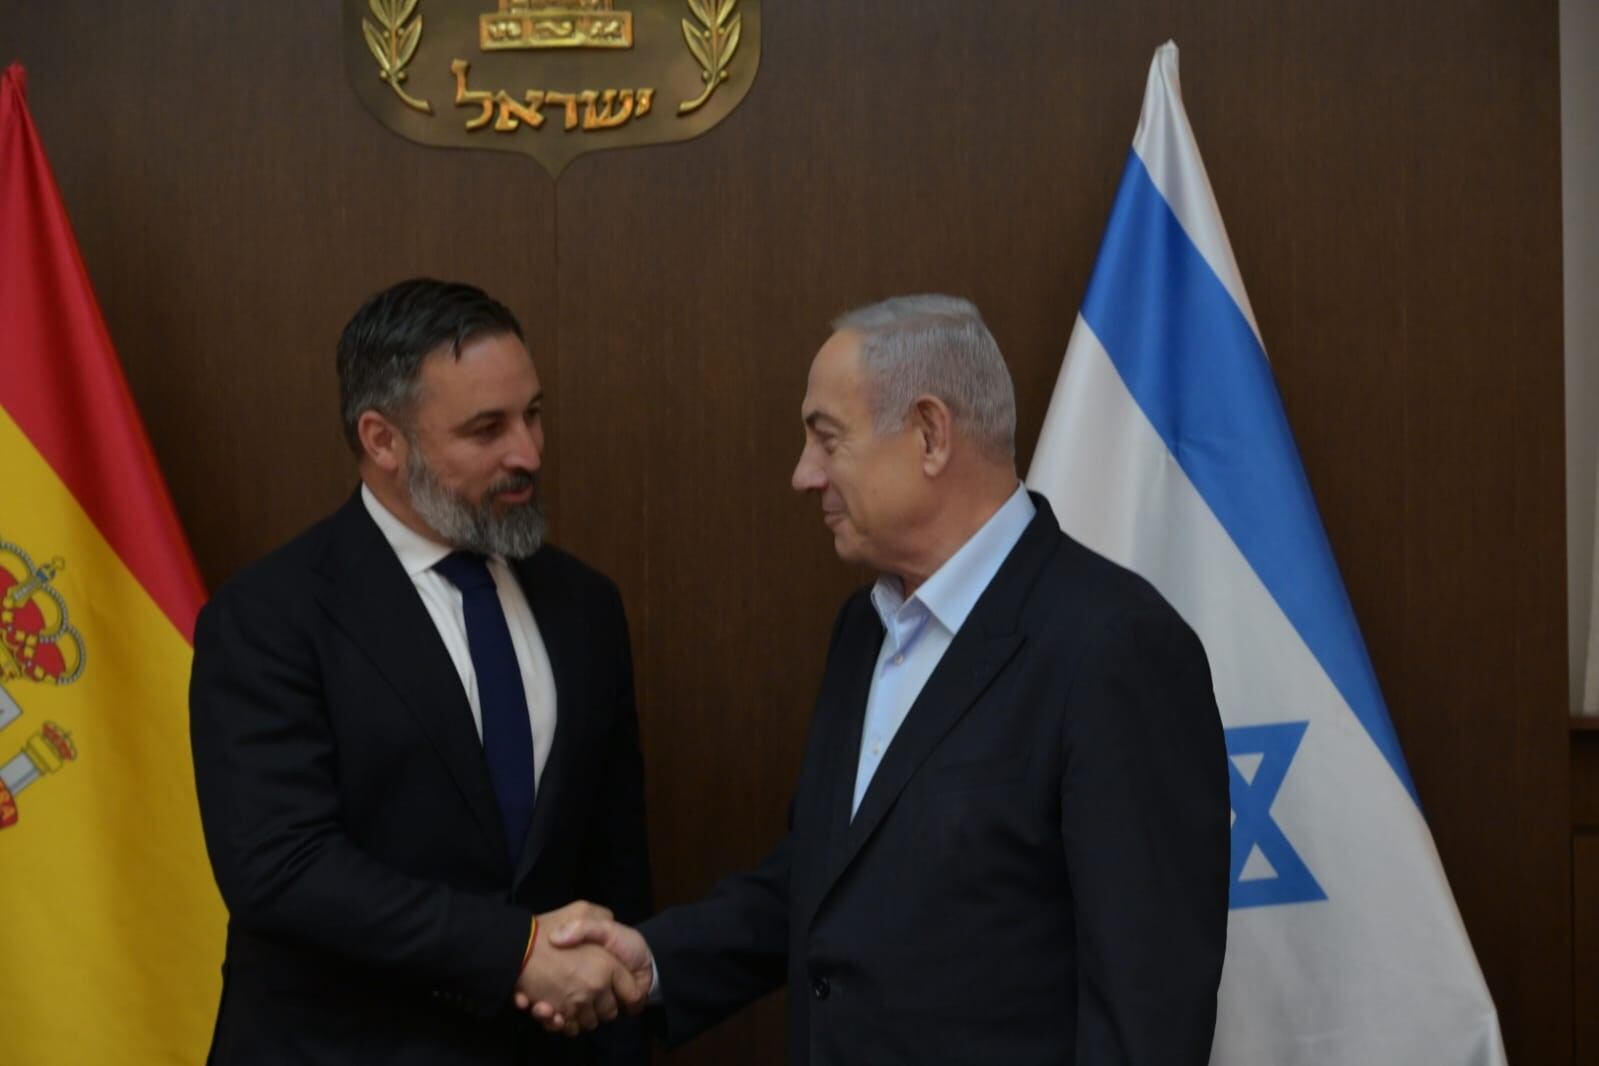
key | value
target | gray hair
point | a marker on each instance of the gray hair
(935, 345)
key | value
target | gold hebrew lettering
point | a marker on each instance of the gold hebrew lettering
(555, 99)
(645, 98)
(505, 30)
(511, 111)
(607, 116)
(465, 97)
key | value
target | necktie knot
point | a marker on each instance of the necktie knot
(467, 571)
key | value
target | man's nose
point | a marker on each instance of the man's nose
(527, 450)
(807, 475)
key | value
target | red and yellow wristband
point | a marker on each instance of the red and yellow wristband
(532, 938)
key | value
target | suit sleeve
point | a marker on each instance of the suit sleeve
(615, 860)
(721, 953)
(1146, 825)
(725, 951)
(615, 865)
(265, 772)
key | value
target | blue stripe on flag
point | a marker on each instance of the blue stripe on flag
(1189, 357)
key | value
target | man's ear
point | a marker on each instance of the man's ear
(382, 442)
(934, 425)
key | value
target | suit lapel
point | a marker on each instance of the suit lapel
(370, 597)
(973, 660)
(847, 688)
(556, 613)
(987, 641)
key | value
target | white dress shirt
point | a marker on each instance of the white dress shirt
(418, 555)
(919, 630)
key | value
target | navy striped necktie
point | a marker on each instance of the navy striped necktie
(507, 733)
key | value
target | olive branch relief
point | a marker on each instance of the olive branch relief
(713, 41)
(393, 42)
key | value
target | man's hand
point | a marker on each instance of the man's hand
(580, 984)
(591, 931)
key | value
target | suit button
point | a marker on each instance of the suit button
(820, 988)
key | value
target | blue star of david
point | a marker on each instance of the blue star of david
(1253, 826)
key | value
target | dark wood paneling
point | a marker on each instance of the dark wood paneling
(1389, 176)
(1585, 775)
(1585, 943)
(1585, 888)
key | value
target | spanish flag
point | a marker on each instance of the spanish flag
(110, 924)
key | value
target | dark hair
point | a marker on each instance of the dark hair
(380, 353)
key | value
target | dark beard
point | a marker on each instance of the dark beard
(514, 532)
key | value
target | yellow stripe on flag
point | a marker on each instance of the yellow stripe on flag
(111, 923)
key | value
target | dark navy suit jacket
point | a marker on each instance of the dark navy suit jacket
(375, 914)
(1038, 871)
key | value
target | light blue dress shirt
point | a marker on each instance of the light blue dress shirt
(919, 630)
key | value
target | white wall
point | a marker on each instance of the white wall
(1579, 128)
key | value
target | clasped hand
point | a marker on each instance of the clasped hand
(585, 968)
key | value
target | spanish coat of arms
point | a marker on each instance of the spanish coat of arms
(38, 646)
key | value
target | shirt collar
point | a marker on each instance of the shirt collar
(954, 589)
(416, 552)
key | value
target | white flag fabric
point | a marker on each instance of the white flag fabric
(1166, 449)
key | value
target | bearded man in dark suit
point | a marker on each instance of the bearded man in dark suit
(1009, 838)
(414, 731)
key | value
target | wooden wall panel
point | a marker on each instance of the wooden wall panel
(1585, 941)
(1389, 176)
(1585, 888)
(1584, 775)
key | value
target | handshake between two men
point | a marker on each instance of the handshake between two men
(583, 968)
(1027, 863)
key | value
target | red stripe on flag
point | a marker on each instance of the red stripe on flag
(60, 380)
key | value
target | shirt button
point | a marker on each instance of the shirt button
(899, 658)
(820, 988)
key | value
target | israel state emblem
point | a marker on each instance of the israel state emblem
(551, 78)
(38, 646)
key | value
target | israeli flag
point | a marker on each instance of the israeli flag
(1166, 449)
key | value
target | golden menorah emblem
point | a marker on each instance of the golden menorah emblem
(521, 24)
